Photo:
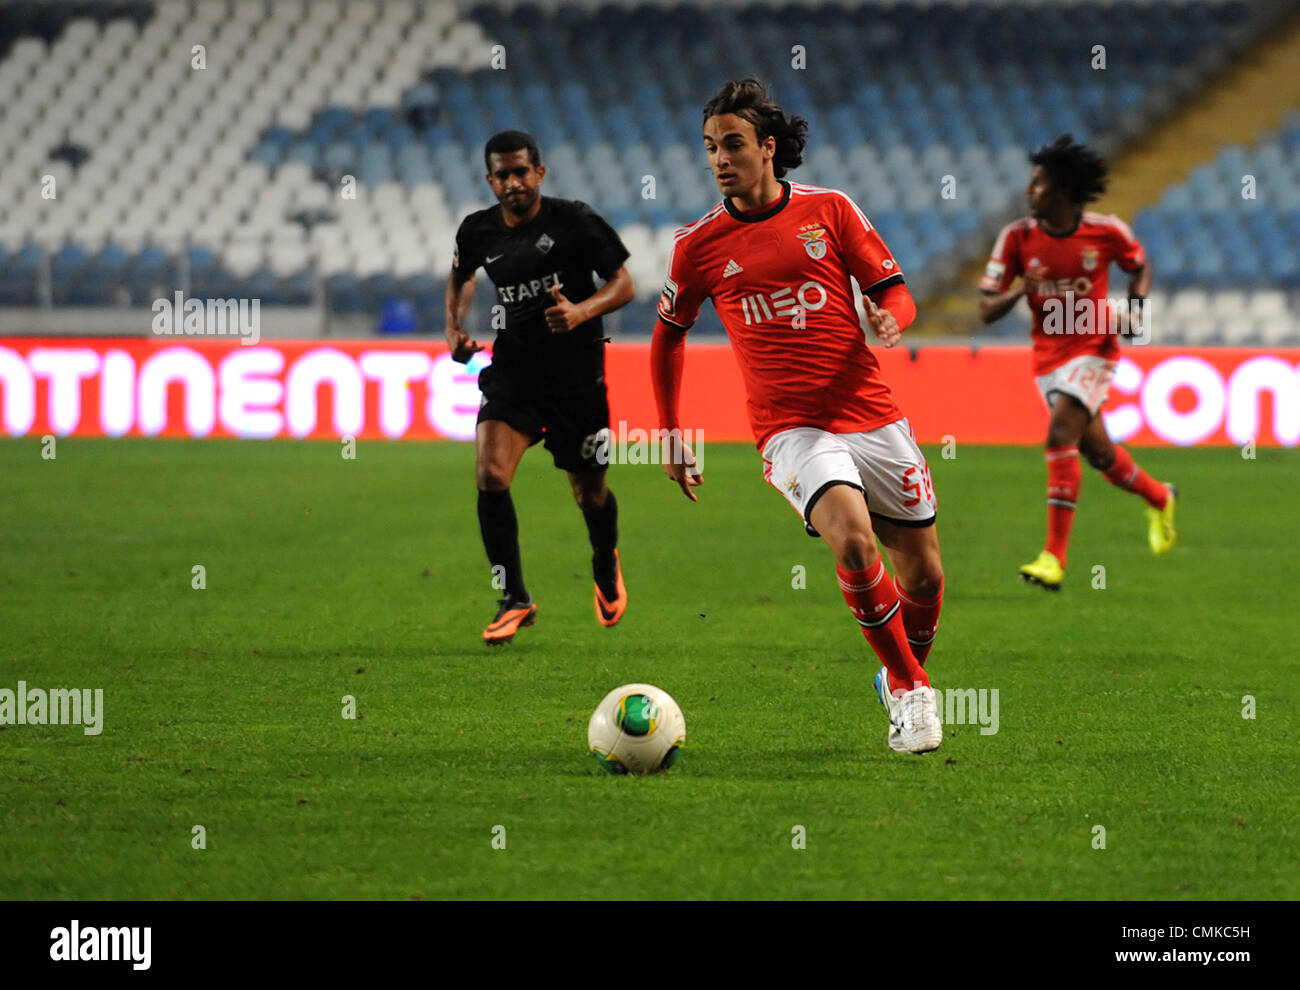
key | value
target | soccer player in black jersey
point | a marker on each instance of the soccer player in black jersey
(547, 377)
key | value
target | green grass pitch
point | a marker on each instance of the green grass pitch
(1118, 707)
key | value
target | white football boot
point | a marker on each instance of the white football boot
(882, 692)
(914, 722)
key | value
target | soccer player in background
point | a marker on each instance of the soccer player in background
(547, 377)
(1062, 254)
(776, 258)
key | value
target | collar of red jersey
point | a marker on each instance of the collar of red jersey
(767, 214)
(1060, 237)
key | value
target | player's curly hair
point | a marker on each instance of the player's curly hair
(748, 99)
(1074, 168)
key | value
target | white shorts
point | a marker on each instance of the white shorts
(885, 464)
(1086, 378)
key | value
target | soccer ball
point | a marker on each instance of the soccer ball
(636, 728)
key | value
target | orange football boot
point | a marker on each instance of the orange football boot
(607, 612)
(511, 617)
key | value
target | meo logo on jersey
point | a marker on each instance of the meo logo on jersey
(757, 307)
(813, 236)
(1050, 288)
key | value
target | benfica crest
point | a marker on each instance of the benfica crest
(813, 236)
(1089, 259)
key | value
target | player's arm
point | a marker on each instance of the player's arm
(565, 316)
(1134, 321)
(890, 311)
(667, 361)
(995, 305)
(999, 295)
(684, 292)
(607, 254)
(889, 306)
(460, 295)
(1132, 257)
(1139, 282)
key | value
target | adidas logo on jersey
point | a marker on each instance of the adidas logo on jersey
(731, 269)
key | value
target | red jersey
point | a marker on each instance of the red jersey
(1077, 266)
(779, 280)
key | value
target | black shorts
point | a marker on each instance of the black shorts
(573, 425)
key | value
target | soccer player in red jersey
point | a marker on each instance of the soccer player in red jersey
(1062, 253)
(776, 258)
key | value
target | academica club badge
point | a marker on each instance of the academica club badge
(1089, 259)
(813, 236)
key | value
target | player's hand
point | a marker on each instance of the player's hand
(564, 315)
(462, 348)
(1033, 280)
(1132, 319)
(882, 323)
(679, 464)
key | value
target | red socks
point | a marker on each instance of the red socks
(1124, 473)
(1064, 476)
(920, 620)
(874, 602)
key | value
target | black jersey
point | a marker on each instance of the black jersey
(562, 245)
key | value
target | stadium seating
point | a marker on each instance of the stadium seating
(236, 177)
(1232, 227)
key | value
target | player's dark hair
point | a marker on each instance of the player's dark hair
(508, 141)
(1074, 168)
(748, 99)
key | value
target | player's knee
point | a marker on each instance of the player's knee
(589, 501)
(857, 551)
(491, 478)
(1060, 435)
(1102, 460)
(926, 583)
(590, 494)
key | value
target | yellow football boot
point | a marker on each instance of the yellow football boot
(1160, 530)
(1045, 572)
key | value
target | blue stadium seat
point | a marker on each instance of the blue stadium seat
(896, 100)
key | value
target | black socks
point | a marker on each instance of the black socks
(602, 528)
(500, 528)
